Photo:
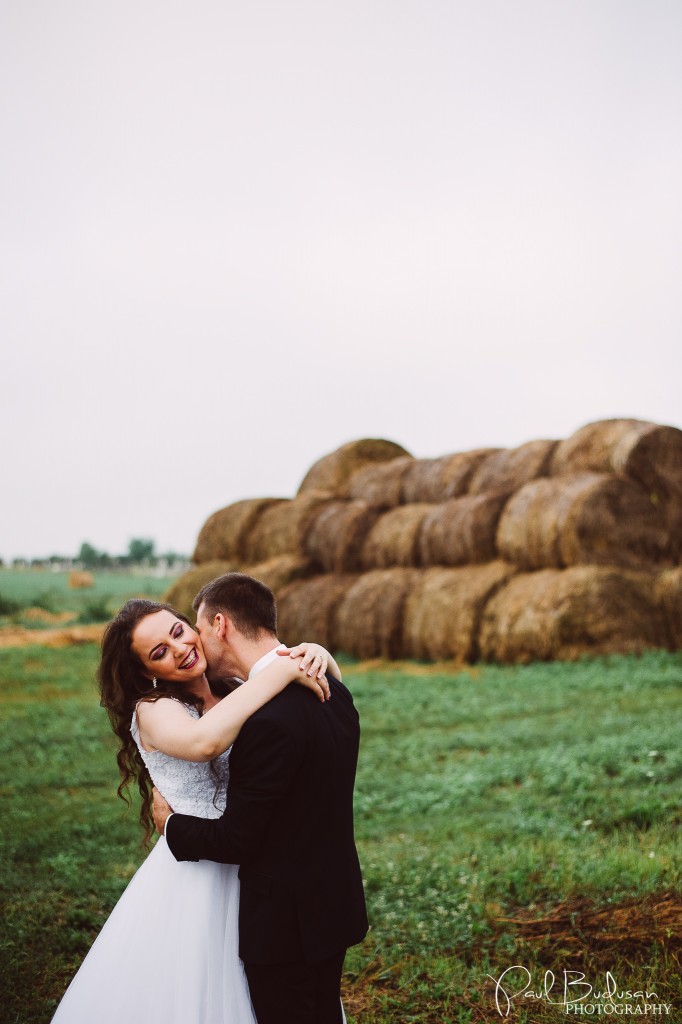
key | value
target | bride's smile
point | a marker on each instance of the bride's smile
(169, 648)
(191, 660)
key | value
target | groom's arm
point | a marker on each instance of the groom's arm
(262, 764)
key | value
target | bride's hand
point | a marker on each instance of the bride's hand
(314, 658)
(312, 665)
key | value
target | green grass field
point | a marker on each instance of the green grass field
(479, 795)
(50, 592)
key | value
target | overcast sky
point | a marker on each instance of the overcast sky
(237, 235)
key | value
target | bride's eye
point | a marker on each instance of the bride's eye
(178, 631)
(158, 653)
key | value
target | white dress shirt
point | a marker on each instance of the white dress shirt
(267, 659)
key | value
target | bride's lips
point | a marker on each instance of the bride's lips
(191, 659)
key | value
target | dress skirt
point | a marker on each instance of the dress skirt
(168, 954)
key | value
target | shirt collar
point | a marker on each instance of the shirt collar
(265, 660)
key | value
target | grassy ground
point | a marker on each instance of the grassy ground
(484, 799)
(49, 592)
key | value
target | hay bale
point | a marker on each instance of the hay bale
(369, 619)
(434, 480)
(333, 471)
(382, 484)
(336, 535)
(306, 609)
(668, 593)
(647, 452)
(223, 535)
(565, 613)
(511, 468)
(281, 528)
(461, 531)
(443, 611)
(280, 571)
(79, 580)
(583, 518)
(394, 538)
(186, 588)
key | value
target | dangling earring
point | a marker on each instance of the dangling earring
(154, 682)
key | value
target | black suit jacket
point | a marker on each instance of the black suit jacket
(289, 825)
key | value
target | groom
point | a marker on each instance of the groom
(288, 821)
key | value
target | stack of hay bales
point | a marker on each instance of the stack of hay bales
(548, 550)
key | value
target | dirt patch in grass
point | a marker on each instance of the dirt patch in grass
(19, 636)
(577, 924)
(47, 618)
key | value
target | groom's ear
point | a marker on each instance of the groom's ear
(222, 625)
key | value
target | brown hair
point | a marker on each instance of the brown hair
(249, 603)
(122, 684)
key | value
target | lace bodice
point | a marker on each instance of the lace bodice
(188, 786)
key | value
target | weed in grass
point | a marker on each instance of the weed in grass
(97, 609)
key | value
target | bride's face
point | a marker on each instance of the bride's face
(168, 648)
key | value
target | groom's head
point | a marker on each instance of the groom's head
(237, 623)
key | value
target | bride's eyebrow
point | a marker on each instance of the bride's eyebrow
(170, 633)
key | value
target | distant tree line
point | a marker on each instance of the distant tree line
(141, 554)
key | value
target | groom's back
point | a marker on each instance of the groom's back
(302, 895)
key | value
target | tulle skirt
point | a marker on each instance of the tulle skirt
(168, 953)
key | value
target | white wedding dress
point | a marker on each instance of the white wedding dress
(168, 953)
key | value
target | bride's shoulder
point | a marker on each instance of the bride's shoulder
(147, 710)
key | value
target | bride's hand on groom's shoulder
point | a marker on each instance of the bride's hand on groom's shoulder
(312, 666)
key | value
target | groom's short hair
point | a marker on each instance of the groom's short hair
(249, 603)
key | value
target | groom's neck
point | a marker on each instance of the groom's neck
(251, 651)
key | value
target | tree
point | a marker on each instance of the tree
(88, 556)
(141, 549)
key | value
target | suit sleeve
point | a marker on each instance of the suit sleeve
(262, 764)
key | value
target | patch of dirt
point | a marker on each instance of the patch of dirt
(629, 925)
(19, 636)
(412, 668)
(40, 615)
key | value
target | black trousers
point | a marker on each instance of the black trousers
(297, 993)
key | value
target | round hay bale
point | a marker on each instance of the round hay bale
(647, 452)
(333, 471)
(380, 485)
(280, 571)
(306, 609)
(583, 518)
(669, 602)
(281, 528)
(461, 531)
(337, 533)
(80, 580)
(394, 538)
(369, 619)
(434, 480)
(565, 613)
(511, 468)
(443, 610)
(185, 589)
(223, 534)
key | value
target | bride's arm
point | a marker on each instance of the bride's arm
(166, 726)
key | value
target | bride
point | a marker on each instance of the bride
(168, 952)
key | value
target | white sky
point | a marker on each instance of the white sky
(235, 236)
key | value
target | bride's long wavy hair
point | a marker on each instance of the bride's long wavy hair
(122, 684)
